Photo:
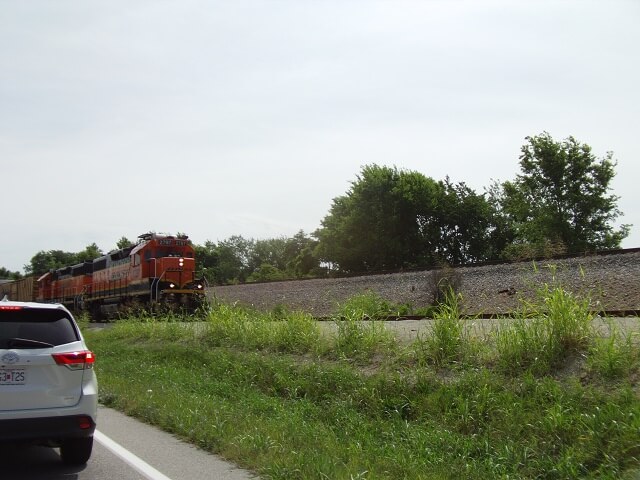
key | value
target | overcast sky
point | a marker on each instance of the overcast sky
(219, 118)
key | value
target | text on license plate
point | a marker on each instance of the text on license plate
(12, 377)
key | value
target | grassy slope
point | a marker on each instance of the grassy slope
(276, 396)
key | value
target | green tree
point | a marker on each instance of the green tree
(385, 221)
(306, 263)
(467, 222)
(502, 232)
(293, 256)
(124, 242)
(234, 257)
(391, 219)
(270, 251)
(43, 261)
(89, 253)
(300, 256)
(266, 273)
(561, 197)
(9, 275)
(238, 259)
(206, 261)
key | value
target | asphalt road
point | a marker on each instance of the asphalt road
(123, 449)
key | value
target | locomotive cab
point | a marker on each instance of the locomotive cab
(167, 263)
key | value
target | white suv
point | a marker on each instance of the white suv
(48, 388)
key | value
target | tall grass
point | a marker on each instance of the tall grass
(545, 332)
(616, 354)
(448, 342)
(366, 306)
(276, 395)
(361, 333)
(296, 332)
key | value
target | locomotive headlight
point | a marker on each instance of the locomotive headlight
(181, 262)
(172, 285)
(199, 286)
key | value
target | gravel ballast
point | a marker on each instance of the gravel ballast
(611, 281)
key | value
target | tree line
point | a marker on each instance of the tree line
(391, 219)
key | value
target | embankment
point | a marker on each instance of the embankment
(612, 282)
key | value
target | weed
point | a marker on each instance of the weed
(360, 331)
(360, 339)
(447, 342)
(614, 355)
(545, 333)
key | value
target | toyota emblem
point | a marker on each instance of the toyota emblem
(10, 358)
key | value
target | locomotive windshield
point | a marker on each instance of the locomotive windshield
(162, 252)
(171, 252)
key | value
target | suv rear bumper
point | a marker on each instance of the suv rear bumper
(47, 429)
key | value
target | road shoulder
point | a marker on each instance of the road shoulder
(173, 457)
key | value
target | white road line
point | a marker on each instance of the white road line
(137, 463)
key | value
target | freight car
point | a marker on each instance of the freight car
(22, 290)
(157, 272)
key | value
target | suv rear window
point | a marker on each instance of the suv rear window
(50, 327)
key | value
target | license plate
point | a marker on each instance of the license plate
(12, 377)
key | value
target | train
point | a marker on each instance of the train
(158, 272)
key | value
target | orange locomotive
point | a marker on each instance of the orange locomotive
(159, 270)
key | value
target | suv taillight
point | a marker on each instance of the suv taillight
(75, 360)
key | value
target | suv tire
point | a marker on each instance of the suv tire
(76, 451)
